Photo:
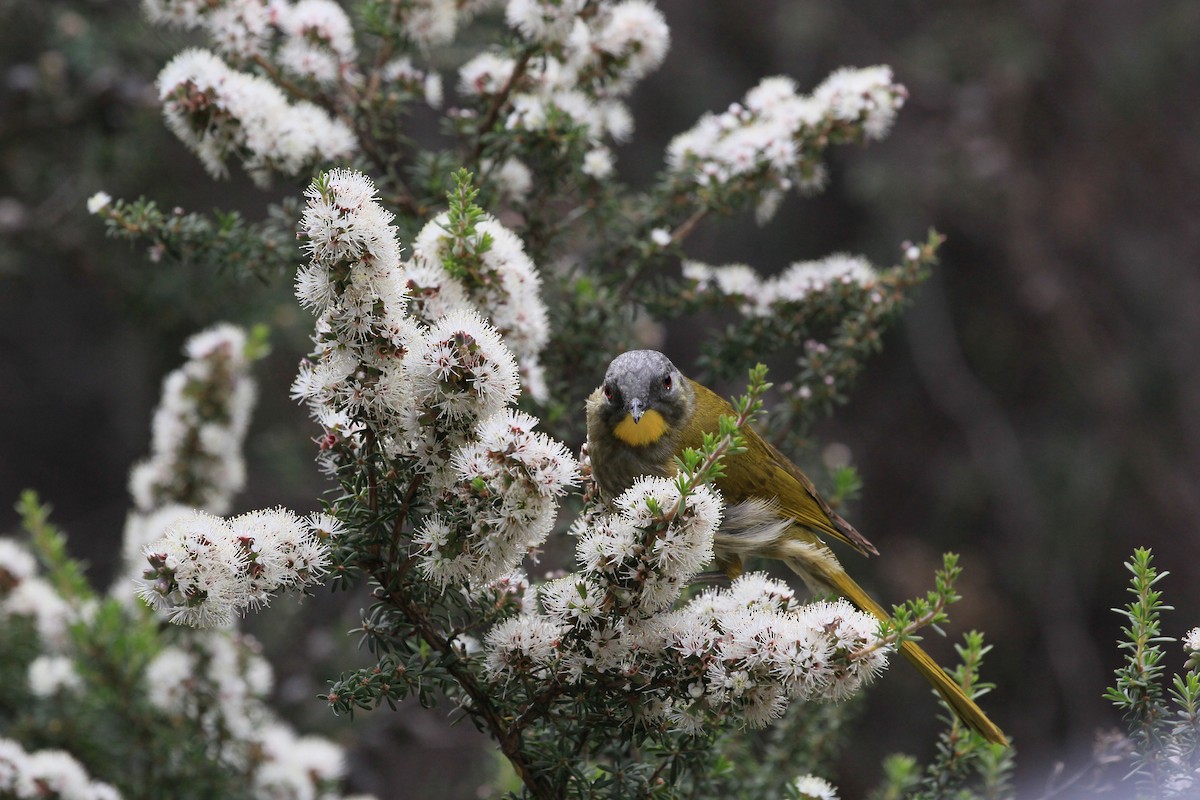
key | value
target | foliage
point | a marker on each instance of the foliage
(616, 679)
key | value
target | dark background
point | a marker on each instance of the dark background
(1037, 410)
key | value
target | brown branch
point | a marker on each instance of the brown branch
(498, 102)
(678, 235)
(507, 735)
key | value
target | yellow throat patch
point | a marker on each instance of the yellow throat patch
(639, 434)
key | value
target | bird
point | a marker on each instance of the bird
(646, 413)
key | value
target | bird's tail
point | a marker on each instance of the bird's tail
(964, 707)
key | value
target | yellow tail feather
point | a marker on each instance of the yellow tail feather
(964, 707)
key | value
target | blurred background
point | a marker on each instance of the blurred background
(1037, 410)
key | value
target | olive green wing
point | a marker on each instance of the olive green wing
(763, 472)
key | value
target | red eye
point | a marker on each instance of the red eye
(608, 393)
(667, 383)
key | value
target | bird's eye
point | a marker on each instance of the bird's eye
(667, 383)
(608, 393)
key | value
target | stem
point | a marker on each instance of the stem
(508, 736)
(498, 102)
(678, 235)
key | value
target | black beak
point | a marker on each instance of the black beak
(636, 409)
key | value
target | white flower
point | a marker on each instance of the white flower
(204, 569)
(37, 599)
(522, 643)
(501, 283)
(660, 236)
(98, 202)
(16, 564)
(635, 32)
(1191, 640)
(199, 427)
(430, 22)
(513, 178)
(461, 369)
(813, 788)
(867, 95)
(169, 676)
(50, 675)
(598, 163)
(485, 74)
(280, 553)
(196, 572)
(544, 21)
(54, 773)
(572, 600)
(218, 112)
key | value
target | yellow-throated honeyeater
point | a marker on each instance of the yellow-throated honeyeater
(647, 412)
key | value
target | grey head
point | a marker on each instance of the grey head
(638, 381)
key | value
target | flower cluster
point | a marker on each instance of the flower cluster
(220, 112)
(354, 283)
(51, 675)
(219, 682)
(810, 787)
(317, 40)
(772, 140)
(501, 503)
(205, 569)
(498, 280)
(24, 593)
(199, 426)
(47, 773)
(744, 652)
(457, 374)
(757, 296)
(434, 392)
(592, 60)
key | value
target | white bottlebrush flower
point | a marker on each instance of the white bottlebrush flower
(636, 35)
(98, 202)
(760, 296)
(526, 643)
(486, 74)
(660, 236)
(573, 601)
(686, 544)
(51, 675)
(1191, 640)
(847, 629)
(497, 501)
(804, 278)
(53, 773)
(543, 21)
(205, 569)
(280, 552)
(771, 141)
(324, 22)
(196, 572)
(499, 281)
(240, 29)
(218, 112)
(461, 371)
(37, 599)
(810, 787)
(170, 679)
(199, 427)
(598, 163)
(512, 178)
(16, 564)
(429, 23)
(869, 96)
